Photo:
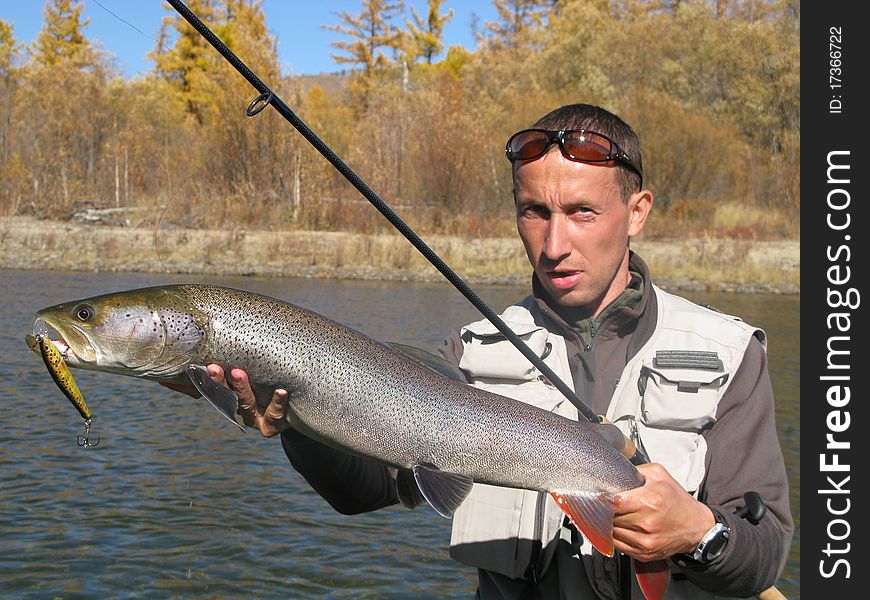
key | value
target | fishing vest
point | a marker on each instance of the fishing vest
(667, 395)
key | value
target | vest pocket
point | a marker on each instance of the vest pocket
(676, 403)
(679, 398)
(487, 354)
(682, 453)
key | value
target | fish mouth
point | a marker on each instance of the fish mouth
(72, 343)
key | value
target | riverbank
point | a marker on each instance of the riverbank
(679, 264)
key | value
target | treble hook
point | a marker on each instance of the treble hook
(84, 439)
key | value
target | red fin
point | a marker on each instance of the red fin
(653, 578)
(592, 514)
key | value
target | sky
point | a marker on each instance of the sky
(303, 44)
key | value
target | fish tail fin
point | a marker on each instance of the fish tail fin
(653, 578)
(592, 514)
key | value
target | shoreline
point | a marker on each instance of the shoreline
(699, 264)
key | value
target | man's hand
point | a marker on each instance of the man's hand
(269, 421)
(659, 519)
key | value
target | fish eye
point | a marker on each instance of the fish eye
(83, 312)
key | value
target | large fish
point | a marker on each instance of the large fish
(355, 394)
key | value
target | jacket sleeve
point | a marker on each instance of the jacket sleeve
(743, 454)
(351, 484)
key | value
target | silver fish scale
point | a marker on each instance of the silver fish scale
(362, 396)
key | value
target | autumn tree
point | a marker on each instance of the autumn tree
(61, 39)
(189, 64)
(516, 17)
(68, 141)
(9, 172)
(426, 34)
(250, 148)
(372, 34)
(9, 51)
(711, 86)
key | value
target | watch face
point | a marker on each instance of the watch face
(715, 546)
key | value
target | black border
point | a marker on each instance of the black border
(821, 133)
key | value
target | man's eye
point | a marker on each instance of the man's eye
(582, 211)
(536, 211)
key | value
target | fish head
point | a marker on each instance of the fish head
(150, 332)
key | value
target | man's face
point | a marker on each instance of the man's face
(575, 227)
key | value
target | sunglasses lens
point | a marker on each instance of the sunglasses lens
(583, 145)
(527, 144)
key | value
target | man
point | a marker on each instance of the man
(688, 384)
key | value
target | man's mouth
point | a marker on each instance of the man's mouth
(562, 280)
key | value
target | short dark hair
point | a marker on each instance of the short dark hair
(595, 118)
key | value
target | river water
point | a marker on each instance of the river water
(176, 502)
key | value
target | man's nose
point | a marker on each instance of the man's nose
(556, 244)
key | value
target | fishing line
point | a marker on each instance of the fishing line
(163, 212)
(171, 198)
(130, 24)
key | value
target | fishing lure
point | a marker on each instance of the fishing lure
(63, 378)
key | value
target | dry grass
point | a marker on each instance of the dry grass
(723, 220)
(702, 262)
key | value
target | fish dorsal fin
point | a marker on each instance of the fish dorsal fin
(443, 491)
(221, 397)
(592, 514)
(407, 489)
(430, 361)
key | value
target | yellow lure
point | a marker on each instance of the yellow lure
(61, 375)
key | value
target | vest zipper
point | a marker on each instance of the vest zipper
(538, 541)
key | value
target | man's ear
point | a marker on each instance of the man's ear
(639, 207)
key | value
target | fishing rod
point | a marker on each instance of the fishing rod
(268, 98)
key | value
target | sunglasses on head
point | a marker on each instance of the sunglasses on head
(579, 144)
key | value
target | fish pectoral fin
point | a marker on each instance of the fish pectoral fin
(592, 514)
(653, 578)
(407, 489)
(221, 397)
(442, 490)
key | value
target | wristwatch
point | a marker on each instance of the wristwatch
(713, 542)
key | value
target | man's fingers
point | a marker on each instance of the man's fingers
(277, 409)
(216, 372)
(275, 416)
(270, 421)
(248, 409)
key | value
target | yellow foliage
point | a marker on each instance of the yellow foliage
(711, 88)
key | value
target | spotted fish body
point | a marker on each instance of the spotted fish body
(354, 394)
